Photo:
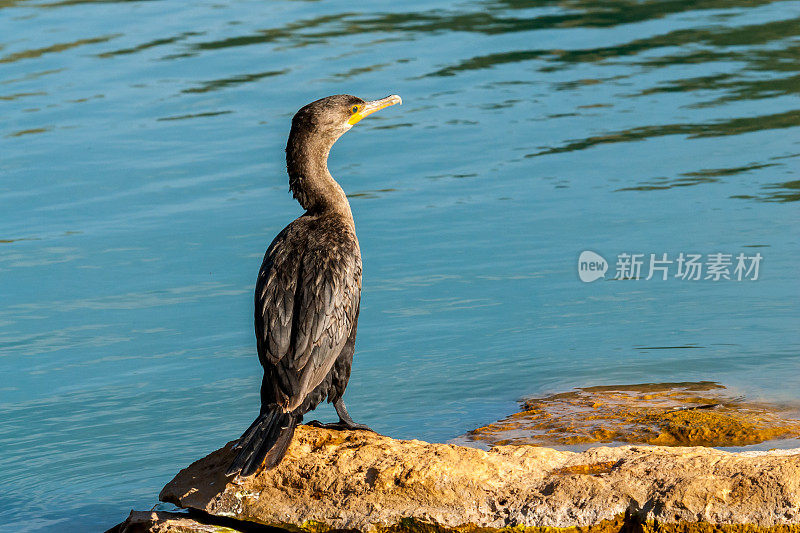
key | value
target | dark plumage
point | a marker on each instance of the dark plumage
(308, 290)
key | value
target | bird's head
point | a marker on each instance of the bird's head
(332, 116)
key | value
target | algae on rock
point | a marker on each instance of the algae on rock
(665, 414)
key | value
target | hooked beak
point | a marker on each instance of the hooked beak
(376, 105)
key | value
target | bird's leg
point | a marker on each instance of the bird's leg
(345, 422)
(344, 417)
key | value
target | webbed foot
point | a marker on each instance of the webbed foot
(341, 425)
(344, 423)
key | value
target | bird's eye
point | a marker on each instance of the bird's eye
(354, 109)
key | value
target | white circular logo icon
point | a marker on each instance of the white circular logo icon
(591, 266)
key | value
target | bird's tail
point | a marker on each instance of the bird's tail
(265, 441)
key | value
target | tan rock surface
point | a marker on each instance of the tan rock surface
(363, 481)
(162, 522)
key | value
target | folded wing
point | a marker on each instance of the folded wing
(306, 306)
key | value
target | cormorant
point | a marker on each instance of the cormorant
(308, 290)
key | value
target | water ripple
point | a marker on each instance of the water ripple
(718, 128)
(60, 47)
(143, 175)
(215, 85)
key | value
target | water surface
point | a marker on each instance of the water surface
(142, 177)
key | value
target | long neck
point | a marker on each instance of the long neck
(309, 178)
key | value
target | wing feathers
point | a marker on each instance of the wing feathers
(306, 305)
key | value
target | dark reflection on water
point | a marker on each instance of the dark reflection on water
(783, 192)
(737, 89)
(142, 164)
(31, 131)
(297, 32)
(714, 172)
(214, 85)
(151, 44)
(10, 97)
(60, 47)
(695, 178)
(734, 126)
(777, 192)
(196, 115)
(369, 195)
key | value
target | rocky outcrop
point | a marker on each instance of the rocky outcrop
(366, 482)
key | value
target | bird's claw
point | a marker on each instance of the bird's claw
(340, 425)
(354, 425)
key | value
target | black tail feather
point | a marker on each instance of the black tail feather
(275, 455)
(248, 434)
(268, 437)
(250, 445)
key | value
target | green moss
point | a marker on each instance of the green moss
(618, 524)
(309, 526)
(707, 527)
(411, 525)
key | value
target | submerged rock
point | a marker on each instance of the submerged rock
(667, 414)
(362, 481)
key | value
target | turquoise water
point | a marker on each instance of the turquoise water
(142, 177)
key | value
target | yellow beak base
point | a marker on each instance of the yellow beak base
(375, 105)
